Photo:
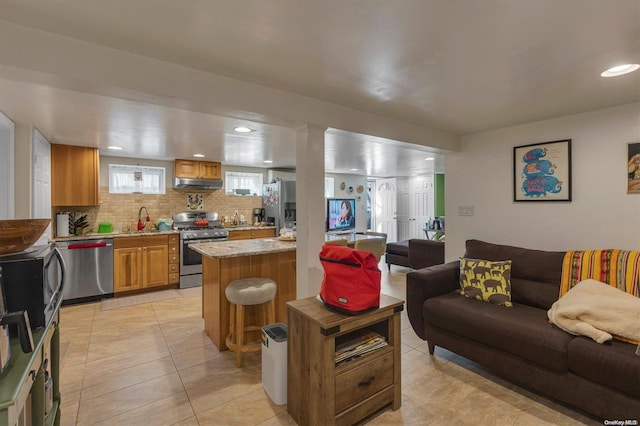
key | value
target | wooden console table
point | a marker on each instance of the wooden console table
(321, 392)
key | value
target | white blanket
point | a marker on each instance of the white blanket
(597, 310)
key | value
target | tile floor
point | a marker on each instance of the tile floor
(152, 364)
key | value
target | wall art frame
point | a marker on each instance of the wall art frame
(542, 172)
(633, 168)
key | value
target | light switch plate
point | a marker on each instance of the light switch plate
(465, 210)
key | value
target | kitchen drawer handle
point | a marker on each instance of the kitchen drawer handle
(367, 382)
(32, 373)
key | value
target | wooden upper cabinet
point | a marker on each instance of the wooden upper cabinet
(75, 176)
(210, 170)
(187, 169)
(197, 169)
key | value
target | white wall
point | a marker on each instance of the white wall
(23, 170)
(601, 215)
(361, 199)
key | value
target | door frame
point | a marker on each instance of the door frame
(7, 172)
(38, 138)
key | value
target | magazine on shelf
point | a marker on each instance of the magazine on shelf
(359, 343)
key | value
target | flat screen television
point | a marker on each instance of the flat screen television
(341, 214)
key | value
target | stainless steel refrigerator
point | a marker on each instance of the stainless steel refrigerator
(279, 203)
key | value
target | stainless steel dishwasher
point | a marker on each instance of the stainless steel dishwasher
(89, 270)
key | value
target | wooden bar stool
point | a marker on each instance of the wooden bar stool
(240, 293)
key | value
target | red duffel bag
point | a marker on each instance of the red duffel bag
(351, 283)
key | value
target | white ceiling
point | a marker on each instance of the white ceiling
(459, 67)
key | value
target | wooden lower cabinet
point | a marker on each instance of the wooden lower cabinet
(174, 259)
(246, 234)
(140, 262)
(219, 272)
(322, 392)
(155, 266)
(127, 269)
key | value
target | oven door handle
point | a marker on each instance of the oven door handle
(206, 240)
(54, 294)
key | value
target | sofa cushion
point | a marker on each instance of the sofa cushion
(522, 330)
(485, 280)
(535, 274)
(613, 364)
(400, 248)
(425, 253)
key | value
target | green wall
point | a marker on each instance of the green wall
(439, 193)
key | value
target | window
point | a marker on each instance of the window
(127, 179)
(242, 183)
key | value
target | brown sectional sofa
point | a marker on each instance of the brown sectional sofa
(415, 253)
(518, 343)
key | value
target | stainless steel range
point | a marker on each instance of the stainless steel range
(196, 227)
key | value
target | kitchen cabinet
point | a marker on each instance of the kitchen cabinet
(351, 390)
(140, 262)
(174, 259)
(197, 169)
(223, 262)
(245, 234)
(75, 176)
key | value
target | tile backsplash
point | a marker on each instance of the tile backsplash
(121, 210)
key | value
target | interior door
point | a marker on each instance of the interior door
(7, 141)
(41, 191)
(404, 209)
(422, 205)
(385, 208)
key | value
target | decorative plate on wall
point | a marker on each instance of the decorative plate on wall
(360, 189)
(343, 186)
(195, 201)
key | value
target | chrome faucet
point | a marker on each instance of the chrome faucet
(142, 224)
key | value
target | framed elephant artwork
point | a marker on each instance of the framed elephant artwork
(542, 171)
(633, 168)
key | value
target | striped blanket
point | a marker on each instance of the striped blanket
(618, 268)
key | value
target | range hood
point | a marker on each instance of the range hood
(201, 184)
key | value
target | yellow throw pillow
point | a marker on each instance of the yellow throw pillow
(486, 280)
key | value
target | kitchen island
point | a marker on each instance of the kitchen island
(225, 261)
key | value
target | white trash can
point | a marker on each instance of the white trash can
(274, 362)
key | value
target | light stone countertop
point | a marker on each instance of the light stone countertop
(97, 236)
(247, 227)
(237, 248)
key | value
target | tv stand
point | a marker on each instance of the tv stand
(322, 392)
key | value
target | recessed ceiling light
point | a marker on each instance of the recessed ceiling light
(242, 129)
(620, 70)
(268, 161)
(429, 158)
(198, 155)
(354, 170)
(115, 148)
